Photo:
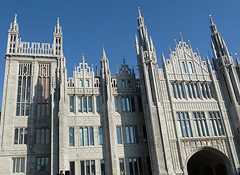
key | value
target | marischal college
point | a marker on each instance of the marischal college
(181, 119)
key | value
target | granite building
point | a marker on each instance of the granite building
(180, 119)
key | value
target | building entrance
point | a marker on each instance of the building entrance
(206, 163)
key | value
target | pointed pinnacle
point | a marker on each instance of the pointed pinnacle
(169, 48)
(189, 44)
(181, 36)
(124, 62)
(139, 12)
(211, 20)
(15, 18)
(237, 60)
(83, 60)
(103, 53)
(58, 22)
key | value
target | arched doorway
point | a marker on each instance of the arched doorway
(206, 162)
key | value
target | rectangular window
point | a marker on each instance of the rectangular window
(87, 167)
(216, 123)
(132, 134)
(196, 90)
(87, 83)
(43, 90)
(71, 104)
(84, 104)
(79, 104)
(176, 90)
(24, 89)
(188, 91)
(190, 67)
(100, 133)
(102, 164)
(86, 137)
(123, 104)
(173, 91)
(135, 166)
(92, 167)
(192, 91)
(20, 136)
(128, 104)
(183, 68)
(80, 83)
(184, 124)
(132, 104)
(129, 84)
(123, 84)
(119, 135)
(200, 124)
(89, 104)
(121, 166)
(42, 164)
(116, 104)
(91, 136)
(97, 104)
(81, 136)
(18, 165)
(82, 167)
(71, 136)
(72, 168)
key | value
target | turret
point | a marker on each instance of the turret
(13, 37)
(58, 39)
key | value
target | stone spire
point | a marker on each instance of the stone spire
(58, 39)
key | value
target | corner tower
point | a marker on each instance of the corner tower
(228, 78)
(159, 148)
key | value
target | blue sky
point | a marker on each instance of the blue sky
(88, 25)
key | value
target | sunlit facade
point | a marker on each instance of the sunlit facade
(180, 119)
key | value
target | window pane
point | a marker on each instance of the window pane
(135, 165)
(46, 163)
(38, 164)
(183, 68)
(176, 89)
(140, 165)
(121, 165)
(79, 104)
(92, 167)
(116, 104)
(180, 89)
(87, 168)
(72, 168)
(119, 138)
(14, 164)
(89, 104)
(127, 134)
(25, 136)
(97, 104)
(47, 136)
(87, 83)
(22, 165)
(123, 83)
(188, 92)
(42, 136)
(123, 105)
(84, 104)
(130, 166)
(71, 104)
(38, 136)
(102, 167)
(71, 136)
(80, 83)
(145, 134)
(86, 136)
(18, 165)
(190, 67)
(82, 168)
(100, 136)
(21, 136)
(132, 135)
(16, 136)
(91, 136)
(196, 91)
(81, 136)
(128, 104)
(173, 92)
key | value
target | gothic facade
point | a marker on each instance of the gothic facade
(181, 119)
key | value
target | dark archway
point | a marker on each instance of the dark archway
(206, 162)
(221, 169)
